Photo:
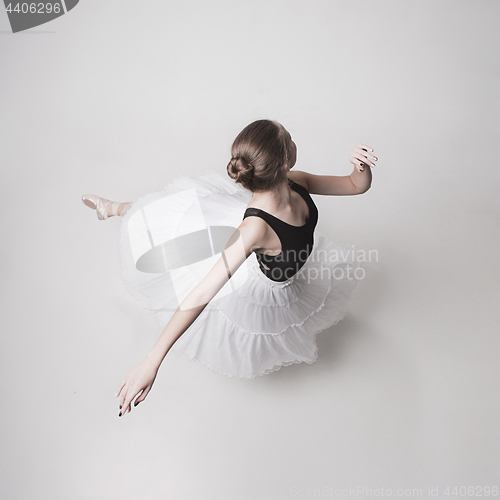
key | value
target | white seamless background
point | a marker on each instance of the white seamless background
(118, 98)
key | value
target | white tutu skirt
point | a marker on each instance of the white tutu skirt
(170, 239)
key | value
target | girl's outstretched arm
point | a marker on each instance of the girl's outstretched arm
(358, 182)
(243, 242)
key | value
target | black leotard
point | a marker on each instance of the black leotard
(296, 241)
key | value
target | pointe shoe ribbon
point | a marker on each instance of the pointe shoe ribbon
(96, 203)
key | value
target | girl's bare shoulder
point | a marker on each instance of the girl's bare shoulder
(299, 177)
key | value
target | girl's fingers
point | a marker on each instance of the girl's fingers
(362, 158)
(142, 397)
(364, 153)
(123, 399)
(127, 398)
(120, 388)
(364, 146)
(357, 163)
(126, 406)
(352, 159)
(127, 403)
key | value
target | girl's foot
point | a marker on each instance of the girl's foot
(103, 207)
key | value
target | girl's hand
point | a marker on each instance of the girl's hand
(141, 378)
(360, 157)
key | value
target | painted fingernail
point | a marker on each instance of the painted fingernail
(120, 407)
(120, 414)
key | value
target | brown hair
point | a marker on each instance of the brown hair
(259, 154)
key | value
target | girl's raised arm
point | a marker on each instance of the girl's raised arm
(243, 242)
(358, 182)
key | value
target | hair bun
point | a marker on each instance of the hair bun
(240, 169)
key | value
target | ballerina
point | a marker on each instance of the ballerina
(269, 291)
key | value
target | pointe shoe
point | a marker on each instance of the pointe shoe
(98, 204)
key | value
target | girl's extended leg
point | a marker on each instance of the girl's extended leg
(104, 208)
(115, 207)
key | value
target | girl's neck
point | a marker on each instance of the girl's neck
(277, 199)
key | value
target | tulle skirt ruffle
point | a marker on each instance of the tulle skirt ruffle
(170, 239)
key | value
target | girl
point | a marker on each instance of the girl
(249, 304)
